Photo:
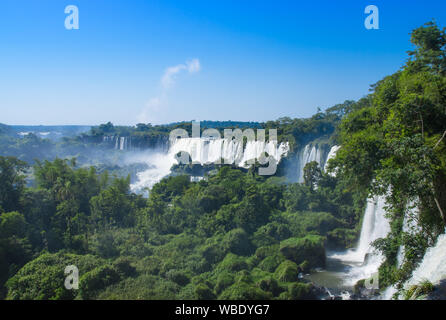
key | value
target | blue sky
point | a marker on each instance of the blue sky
(165, 61)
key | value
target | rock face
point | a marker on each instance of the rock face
(134, 142)
(439, 292)
(360, 292)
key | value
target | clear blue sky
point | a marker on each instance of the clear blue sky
(255, 60)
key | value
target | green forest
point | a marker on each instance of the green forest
(235, 234)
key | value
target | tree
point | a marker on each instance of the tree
(312, 174)
(429, 54)
(113, 205)
(12, 182)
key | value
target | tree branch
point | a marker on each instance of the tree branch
(441, 211)
(444, 134)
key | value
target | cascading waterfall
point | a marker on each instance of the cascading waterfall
(159, 166)
(206, 151)
(433, 265)
(409, 226)
(364, 261)
(313, 152)
(118, 143)
(428, 269)
(330, 156)
(308, 154)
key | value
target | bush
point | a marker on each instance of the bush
(179, 277)
(224, 280)
(342, 238)
(244, 291)
(300, 291)
(237, 242)
(43, 278)
(144, 287)
(104, 245)
(233, 263)
(271, 263)
(310, 248)
(97, 279)
(270, 285)
(417, 291)
(212, 253)
(124, 267)
(287, 271)
(266, 251)
(203, 292)
(277, 231)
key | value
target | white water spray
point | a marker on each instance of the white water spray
(409, 226)
(330, 156)
(364, 260)
(433, 265)
(308, 154)
(206, 151)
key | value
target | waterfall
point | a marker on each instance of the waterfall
(124, 143)
(159, 166)
(313, 152)
(409, 226)
(433, 265)
(330, 156)
(118, 143)
(389, 292)
(364, 261)
(206, 151)
(308, 154)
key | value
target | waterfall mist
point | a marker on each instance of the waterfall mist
(205, 151)
(364, 261)
(433, 265)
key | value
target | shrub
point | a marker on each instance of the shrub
(341, 237)
(287, 271)
(300, 291)
(203, 292)
(416, 291)
(244, 291)
(270, 285)
(43, 278)
(233, 263)
(275, 230)
(224, 280)
(124, 267)
(310, 248)
(266, 251)
(179, 277)
(97, 279)
(237, 242)
(212, 253)
(271, 263)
